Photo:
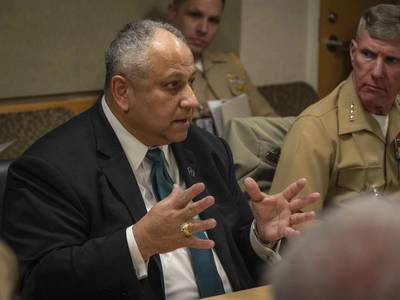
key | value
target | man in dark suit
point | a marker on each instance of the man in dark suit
(72, 198)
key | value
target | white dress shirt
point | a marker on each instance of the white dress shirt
(179, 280)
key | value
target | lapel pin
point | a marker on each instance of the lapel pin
(191, 171)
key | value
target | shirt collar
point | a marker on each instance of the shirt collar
(210, 59)
(199, 66)
(353, 117)
(133, 148)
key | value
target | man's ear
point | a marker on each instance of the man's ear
(353, 50)
(120, 91)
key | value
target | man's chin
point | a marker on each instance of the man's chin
(196, 50)
(374, 103)
(178, 136)
(371, 95)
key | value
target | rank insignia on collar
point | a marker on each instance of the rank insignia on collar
(397, 147)
(236, 84)
(351, 112)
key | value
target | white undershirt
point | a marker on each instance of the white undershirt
(383, 122)
(179, 280)
(199, 65)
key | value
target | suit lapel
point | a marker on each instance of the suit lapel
(116, 168)
(115, 165)
(187, 167)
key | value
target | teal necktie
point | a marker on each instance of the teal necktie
(207, 278)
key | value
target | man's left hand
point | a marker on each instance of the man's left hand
(279, 215)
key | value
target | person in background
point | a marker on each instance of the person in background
(348, 143)
(220, 75)
(130, 201)
(352, 254)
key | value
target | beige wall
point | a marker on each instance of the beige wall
(279, 40)
(55, 47)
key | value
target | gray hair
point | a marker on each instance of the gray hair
(352, 254)
(381, 21)
(128, 52)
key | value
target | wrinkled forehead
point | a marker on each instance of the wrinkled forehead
(388, 47)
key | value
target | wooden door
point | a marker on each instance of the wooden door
(337, 26)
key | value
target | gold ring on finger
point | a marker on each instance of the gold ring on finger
(185, 229)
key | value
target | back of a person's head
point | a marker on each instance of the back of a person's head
(351, 254)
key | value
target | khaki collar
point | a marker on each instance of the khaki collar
(210, 59)
(353, 117)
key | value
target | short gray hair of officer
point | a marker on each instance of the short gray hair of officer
(381, 22)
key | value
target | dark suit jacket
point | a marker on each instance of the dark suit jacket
(71, 196)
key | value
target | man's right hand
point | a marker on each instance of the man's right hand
(159, 231)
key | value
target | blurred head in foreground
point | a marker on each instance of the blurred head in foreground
(352, 254)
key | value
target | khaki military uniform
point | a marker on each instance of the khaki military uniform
(340, 149)
(225, 77)
(255, 143)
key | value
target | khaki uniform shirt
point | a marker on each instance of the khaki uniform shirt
(224, 77)
(255, 143)
(339, 147)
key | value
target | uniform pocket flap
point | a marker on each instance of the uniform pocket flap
(352, 179)
(362, 178)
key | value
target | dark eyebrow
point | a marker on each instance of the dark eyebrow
(369, 51)
(195, 12)
(198, 13)
(391, 57)
(215, 19)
